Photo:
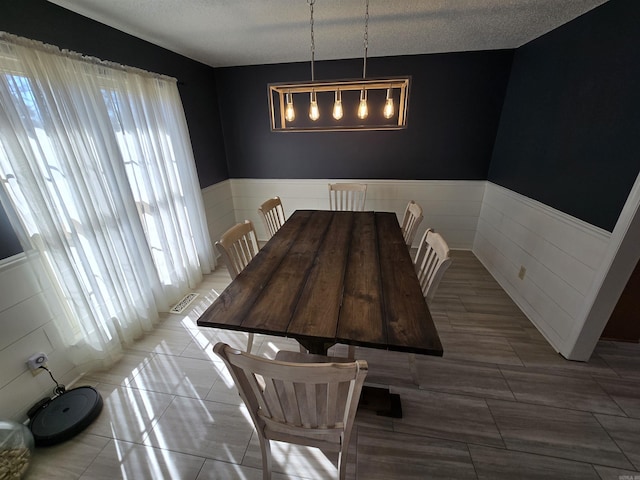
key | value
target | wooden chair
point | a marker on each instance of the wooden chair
(298, 398)
(431, 261)
(347, 196)
(238, 246)
(272, 214)
(411, 221)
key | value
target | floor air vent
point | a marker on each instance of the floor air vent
(184, 303)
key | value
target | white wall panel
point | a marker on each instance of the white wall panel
(219, 209)
(15, 355)
(560, 253)
(23, 318)
(18, 282)
(27, 309)
(451, 207)
(22, 393)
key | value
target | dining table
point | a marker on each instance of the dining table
(329, 277)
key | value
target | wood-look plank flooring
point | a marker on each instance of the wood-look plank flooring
(500, 404)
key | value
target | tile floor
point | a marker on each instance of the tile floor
(499, 404)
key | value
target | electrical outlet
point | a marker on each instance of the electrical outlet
(522, 272)
(36, 361)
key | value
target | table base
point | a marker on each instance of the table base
(381, 401)
(376, 399)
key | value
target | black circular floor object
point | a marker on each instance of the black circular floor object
(65, 416)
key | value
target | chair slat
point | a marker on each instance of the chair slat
(257, 388)
(332, 404)
(312, 406)
(275, 408)
(290, 403)
(322, 406)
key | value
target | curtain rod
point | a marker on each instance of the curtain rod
(53, 49)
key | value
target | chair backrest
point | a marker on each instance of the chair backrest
(304, 403)
(272, 214)
(431, 261)
(347, 196)
(238, 246)
(411, 221)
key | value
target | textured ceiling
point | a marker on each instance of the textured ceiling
(249, 32)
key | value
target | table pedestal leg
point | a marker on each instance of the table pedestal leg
(316, 347)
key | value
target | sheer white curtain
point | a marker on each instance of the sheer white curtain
(96, 162)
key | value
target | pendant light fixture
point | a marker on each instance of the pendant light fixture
(350, 98)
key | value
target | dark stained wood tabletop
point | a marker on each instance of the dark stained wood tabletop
(331, 277)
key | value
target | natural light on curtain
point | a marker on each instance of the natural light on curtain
(96, 163)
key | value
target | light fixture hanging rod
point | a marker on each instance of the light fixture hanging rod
(313, 42)
(366, 39)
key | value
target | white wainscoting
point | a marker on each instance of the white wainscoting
(218, 206)
(504, 229)
(451, 207)
(560, 253)
(27, 308)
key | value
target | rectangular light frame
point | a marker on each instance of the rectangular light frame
(277, 101)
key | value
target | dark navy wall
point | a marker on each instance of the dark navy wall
(44, 21)
(454, 110)
(570, 128)
(9, 243)
(567, 133)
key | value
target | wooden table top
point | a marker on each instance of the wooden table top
(331, 277)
